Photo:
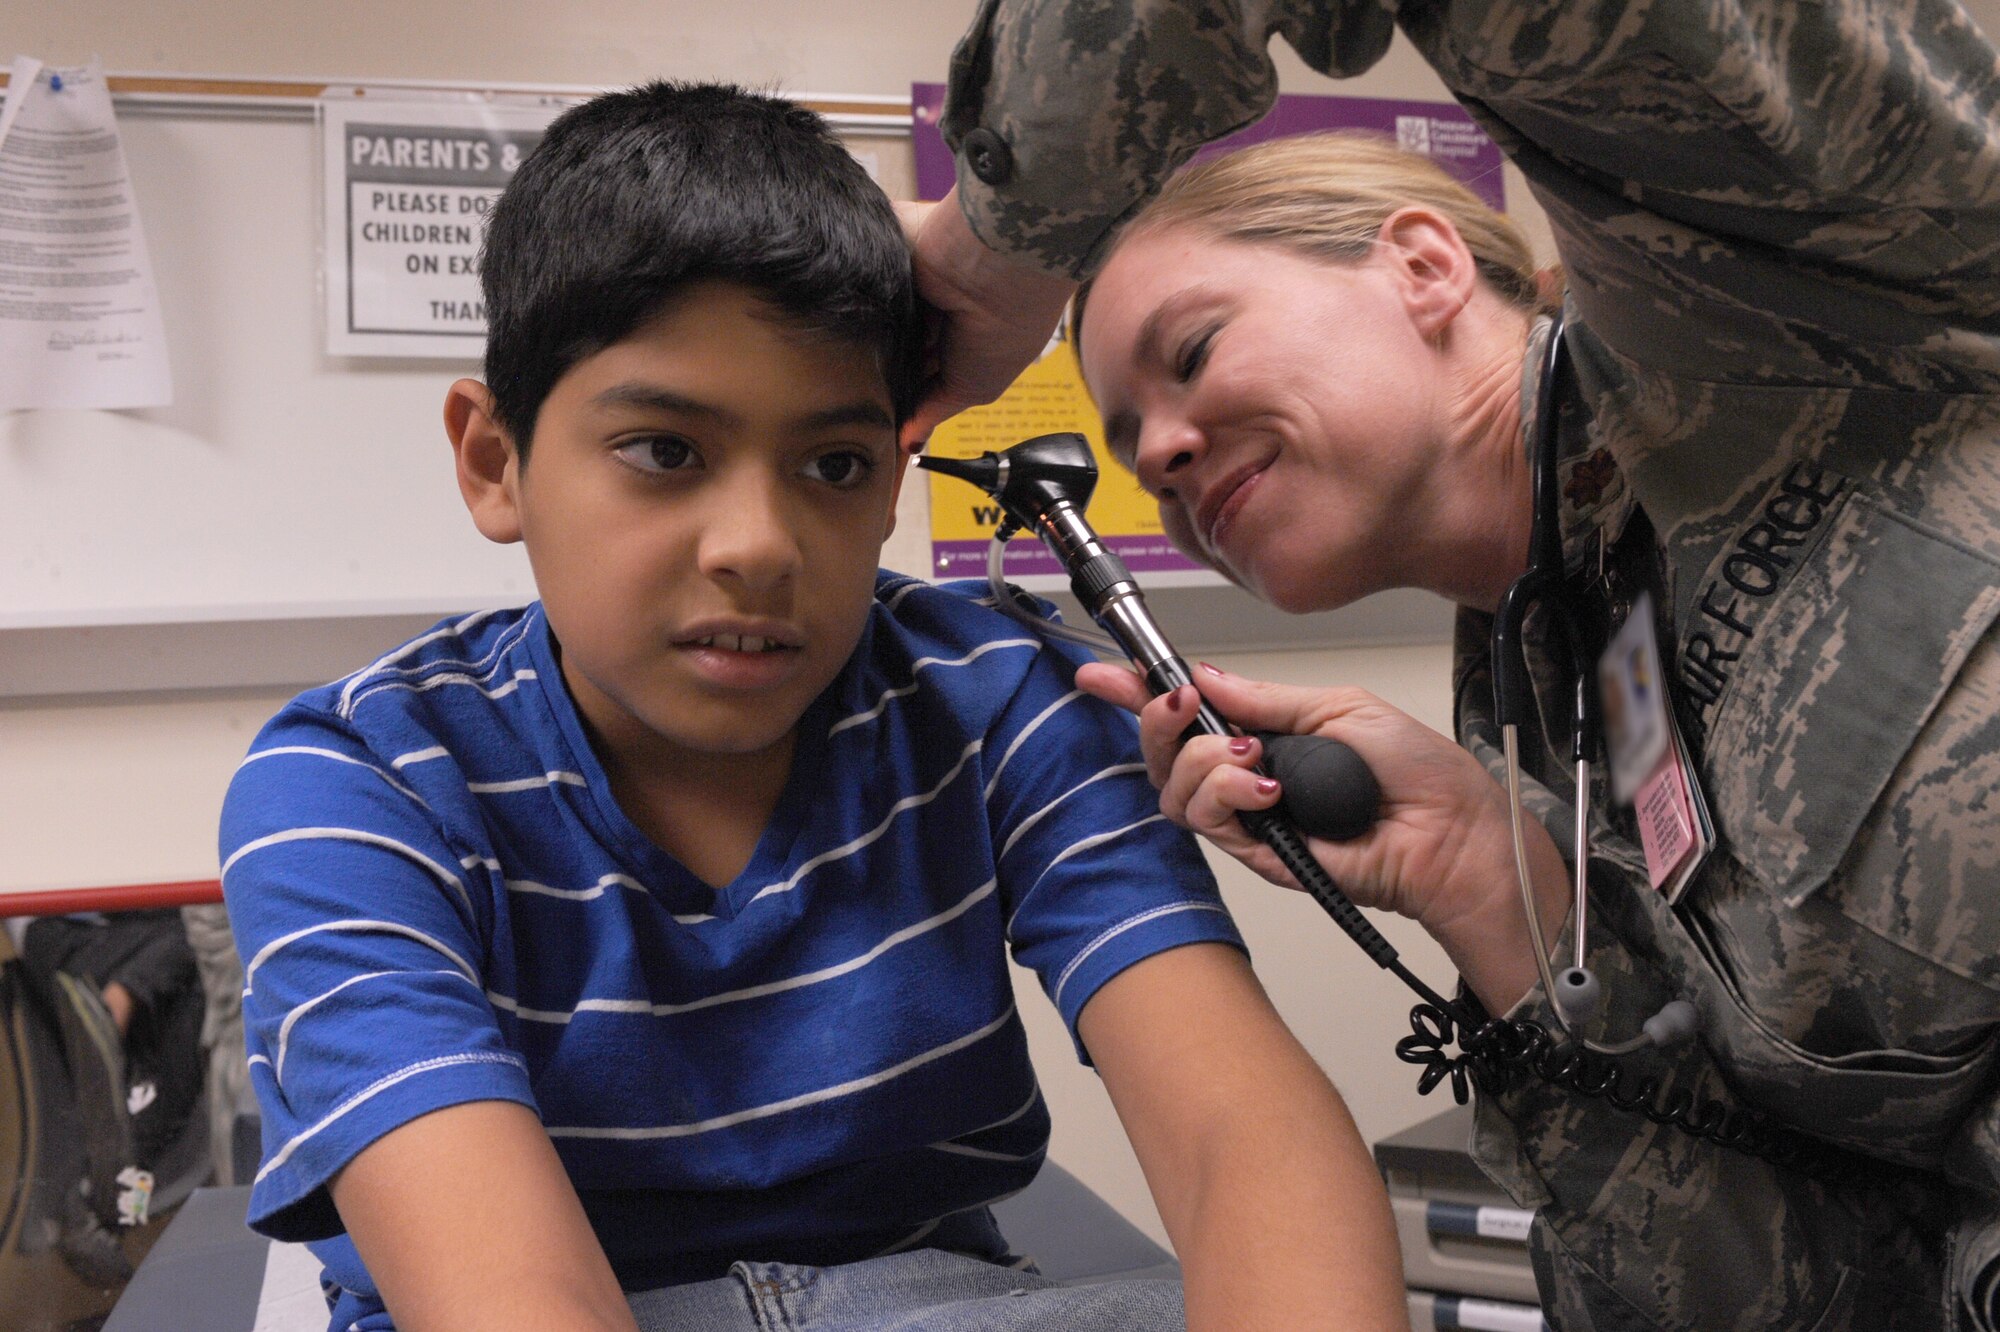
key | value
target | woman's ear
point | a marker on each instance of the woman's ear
(489, 466)
(1433, 267)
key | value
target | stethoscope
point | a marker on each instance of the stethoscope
(1574, 993)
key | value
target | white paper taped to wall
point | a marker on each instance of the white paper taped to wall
(79, 311)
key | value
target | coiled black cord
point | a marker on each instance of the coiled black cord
(1494, 1051)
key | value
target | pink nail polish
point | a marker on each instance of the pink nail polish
(1241, 744)
(1213, 670)
(1266, 785)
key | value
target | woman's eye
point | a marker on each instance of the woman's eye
(844, 468)
(1193, 352)
(658, 453)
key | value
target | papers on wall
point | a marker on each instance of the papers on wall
(408, 186)
(79, 312)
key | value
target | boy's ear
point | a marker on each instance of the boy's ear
(1434, 268)
(489, 466)
(902, 469)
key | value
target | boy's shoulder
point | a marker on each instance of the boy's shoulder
(446, 681)
(972, 655)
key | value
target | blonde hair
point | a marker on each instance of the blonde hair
(1326, 195)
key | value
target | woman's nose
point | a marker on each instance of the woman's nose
(1167, 448)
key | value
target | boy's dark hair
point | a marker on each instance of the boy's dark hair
(633, 196)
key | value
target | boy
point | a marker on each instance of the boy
(650, 938)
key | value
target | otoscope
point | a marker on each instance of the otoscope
(1043, 484)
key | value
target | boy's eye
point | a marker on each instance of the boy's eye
(658, 453)
(844, 468)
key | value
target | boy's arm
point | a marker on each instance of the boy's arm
(1266, 1188)
(466, 1219)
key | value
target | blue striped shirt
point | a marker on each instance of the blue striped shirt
(438, 900)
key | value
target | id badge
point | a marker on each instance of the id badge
(1650, 769)
(1632, 696)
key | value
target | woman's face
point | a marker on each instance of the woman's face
(1283, 410)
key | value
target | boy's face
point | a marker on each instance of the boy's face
(704, 505)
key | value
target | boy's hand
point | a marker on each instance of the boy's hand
(1442, 852)
(991, 315)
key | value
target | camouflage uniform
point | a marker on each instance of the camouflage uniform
(1781, 223)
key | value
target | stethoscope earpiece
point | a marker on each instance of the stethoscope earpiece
(1577, 996)
(1673, 1024)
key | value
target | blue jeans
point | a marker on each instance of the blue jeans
(924, 1291)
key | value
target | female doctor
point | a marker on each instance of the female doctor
(1769, 436)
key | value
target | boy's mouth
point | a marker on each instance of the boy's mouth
(739, 643)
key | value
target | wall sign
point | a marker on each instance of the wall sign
(408, 187)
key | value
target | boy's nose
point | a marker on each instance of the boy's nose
(747, 536)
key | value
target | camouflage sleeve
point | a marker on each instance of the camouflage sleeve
(1754, 190)
(1066, 115)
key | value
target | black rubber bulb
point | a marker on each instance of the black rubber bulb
(1328, 790)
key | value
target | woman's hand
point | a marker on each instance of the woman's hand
(1440, 853)
(992, 315)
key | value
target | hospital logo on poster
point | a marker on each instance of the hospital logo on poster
(1413, 134)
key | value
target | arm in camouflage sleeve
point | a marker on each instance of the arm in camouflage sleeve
(1081, 110)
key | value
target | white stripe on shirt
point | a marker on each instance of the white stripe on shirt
(1077, 847)
(903, 691)
(356, 925)
(431, 682)
(832, 1093)
(285, 1027)
(853, 964)
(980, 1153)
(547, 779)
(502, 647)
(901, 806)
(382, 663)
(316, 752)
(895, 598)
(589, 894)
(1028, 730)
(1055, 995)
(376, 1088)
(444, 875)
(1115, 770)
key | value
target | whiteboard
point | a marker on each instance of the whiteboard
(282, 482)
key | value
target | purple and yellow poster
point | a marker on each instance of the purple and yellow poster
(1050, 396)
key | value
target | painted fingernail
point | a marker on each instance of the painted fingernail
(1177, 699)
(1266, 785)
(1242, 744)
(1213, 670)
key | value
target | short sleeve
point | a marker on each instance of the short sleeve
(363, 1001)
(1093, 878)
